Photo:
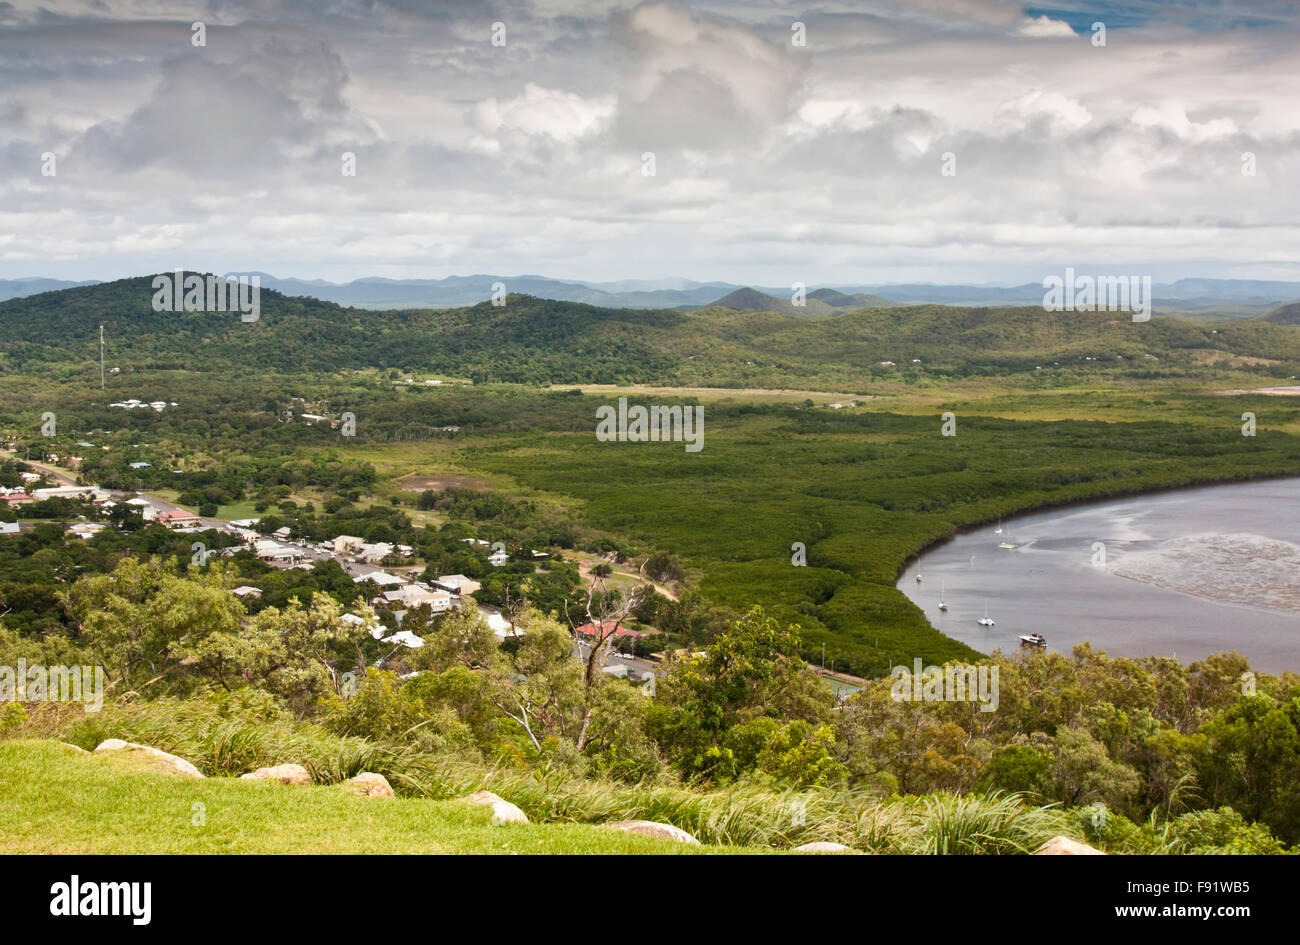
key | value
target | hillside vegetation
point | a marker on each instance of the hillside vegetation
(1048, 410)
(536, 341)
(55, 800)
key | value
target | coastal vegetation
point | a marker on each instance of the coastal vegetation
(810, 440)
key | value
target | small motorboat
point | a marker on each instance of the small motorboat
(1007, 546)
(986, 620)
(1034, 639)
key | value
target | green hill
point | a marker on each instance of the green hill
(1286, 315)
(56, 799)
(748, 339)
(751, 300)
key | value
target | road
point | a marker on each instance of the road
(50, 472)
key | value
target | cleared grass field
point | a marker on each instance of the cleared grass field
(55, 799)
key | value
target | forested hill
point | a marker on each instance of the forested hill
(529, 340)
(532, 340)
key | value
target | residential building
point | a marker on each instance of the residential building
(179, 518)
(457, 584)
(381, 578)
(410, 596)
(605, 629)
(345, 544)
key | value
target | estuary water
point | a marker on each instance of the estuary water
(1184, 574)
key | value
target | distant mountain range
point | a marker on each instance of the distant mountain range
(1227, 297)
(20, 288)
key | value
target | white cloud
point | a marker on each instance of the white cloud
(1044, 27)
(1059, 110)
(1172, 116)
(543, 111)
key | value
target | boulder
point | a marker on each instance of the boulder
(74, 747)
(370, 784)
(285, 774)
(503, 812)
(823, 846)
(169, 763)
(650, 828)
(1064, 846)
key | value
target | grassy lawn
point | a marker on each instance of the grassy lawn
(54, 799)
(238, 511)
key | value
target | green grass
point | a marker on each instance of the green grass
(224, 739)
(54, 799)
(237, 511)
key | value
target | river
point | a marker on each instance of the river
(1183, 573)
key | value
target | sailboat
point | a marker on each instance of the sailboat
(942, 605)
(998, 530)
(986, 620)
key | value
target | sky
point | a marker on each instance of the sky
(975, 141)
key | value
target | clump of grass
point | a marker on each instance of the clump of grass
(952, 824)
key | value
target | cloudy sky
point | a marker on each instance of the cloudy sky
(773, 161)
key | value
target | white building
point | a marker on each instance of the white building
(85, 529)
(457, 583)
(269, 550)
(69, 492)
(417, 595)
(374, 553)
(381, 578)
(345, 544)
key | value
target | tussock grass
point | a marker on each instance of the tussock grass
(970, 824)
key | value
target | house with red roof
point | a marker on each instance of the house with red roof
(179, 518)
(606, 628)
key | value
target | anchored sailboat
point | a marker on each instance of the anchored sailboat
(986, 620)
(942, 605)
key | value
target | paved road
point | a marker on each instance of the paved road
(50, 472)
